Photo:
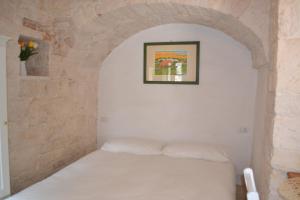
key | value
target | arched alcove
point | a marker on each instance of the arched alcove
(111, 25)
(102, 28)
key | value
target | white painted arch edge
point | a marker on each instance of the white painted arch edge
(4, 161)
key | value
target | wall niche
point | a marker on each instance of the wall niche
(37, 64)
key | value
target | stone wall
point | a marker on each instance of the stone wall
(263, 139)
(286, 131)
(52, 121)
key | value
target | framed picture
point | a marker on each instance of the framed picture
(171, 62)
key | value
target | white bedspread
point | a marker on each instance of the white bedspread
(119, 176)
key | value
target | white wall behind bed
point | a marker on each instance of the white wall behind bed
(215, 111)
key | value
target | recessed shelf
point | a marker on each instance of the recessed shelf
(37, 65)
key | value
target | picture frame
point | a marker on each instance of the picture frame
(171, 62)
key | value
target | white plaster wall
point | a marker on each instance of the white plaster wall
(212, 112)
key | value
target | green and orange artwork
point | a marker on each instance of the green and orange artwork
(170, 62)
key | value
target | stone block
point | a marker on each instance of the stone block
(286, 160)
(35, 25)
(289, 17)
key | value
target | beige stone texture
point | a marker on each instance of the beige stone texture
(50, 121)
(286, 129)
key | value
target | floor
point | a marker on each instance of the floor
(241, 192)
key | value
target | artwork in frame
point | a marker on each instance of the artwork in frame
(171, 62)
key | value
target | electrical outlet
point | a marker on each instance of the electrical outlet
(104, 119)
(243, 130)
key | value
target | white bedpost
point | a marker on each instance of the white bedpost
(4, 165)
(252, 193)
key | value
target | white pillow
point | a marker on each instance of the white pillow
(198, 151)
(133, 145)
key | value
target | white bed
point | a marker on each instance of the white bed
(105, 175)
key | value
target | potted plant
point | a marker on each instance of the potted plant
(27, 49)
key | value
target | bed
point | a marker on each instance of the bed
(125, 176)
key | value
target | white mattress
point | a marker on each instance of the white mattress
(119, 176)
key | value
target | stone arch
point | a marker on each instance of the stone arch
(106, 27)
